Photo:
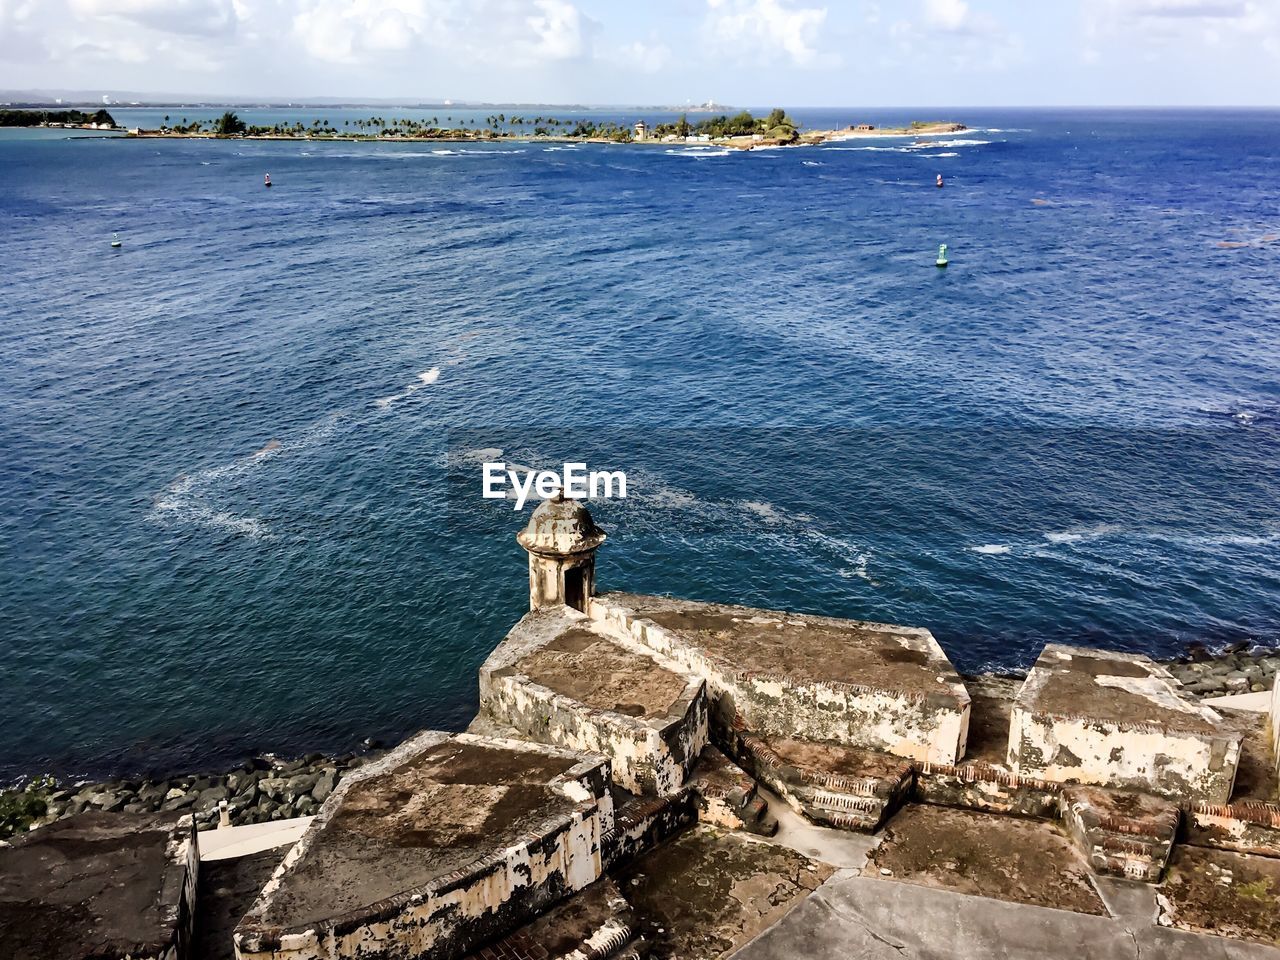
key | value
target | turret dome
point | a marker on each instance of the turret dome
(560, 527)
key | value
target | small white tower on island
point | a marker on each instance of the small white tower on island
(562, 540)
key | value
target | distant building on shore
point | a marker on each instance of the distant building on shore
(642, 130)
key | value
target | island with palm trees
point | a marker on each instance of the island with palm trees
(741, 131)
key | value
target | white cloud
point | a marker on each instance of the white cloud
(650, 57)
(506, 32)
(559, 29)
(765, 28)
(953, 31)
(203, 18)
(1195, 9)
(949, 15)
(344, 31)
(1160, 22)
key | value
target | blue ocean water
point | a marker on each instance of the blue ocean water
(239, 456)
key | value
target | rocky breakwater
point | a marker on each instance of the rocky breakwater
(259, 790)
(1238, 669)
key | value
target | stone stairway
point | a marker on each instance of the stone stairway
(597, 923)
(729, 797)
(845, 787)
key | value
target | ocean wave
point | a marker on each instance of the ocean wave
(992, 549)
(698, 153)
(813, 163)
(184, 500)
(1081, 534)
(425, 379)
(954, 143)
(1242, 412)
(481, 455)
(189, 499)
(765, 511)
(938, 154)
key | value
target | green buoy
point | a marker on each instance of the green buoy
(942, 256)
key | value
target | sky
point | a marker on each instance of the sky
(650, 52)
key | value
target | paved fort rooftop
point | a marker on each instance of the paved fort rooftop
(669, 778)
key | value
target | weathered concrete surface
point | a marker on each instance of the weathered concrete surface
(99, 886)
(842, 849)
(861, 918)
(707, 892)
(444, 842)
(561, 678)
(872, 685)
(1118, 720)
(1228, 893)
(232, 842)
(1121, 833)
(641, 823)
(1004, 858)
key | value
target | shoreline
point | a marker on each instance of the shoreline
(268, 788)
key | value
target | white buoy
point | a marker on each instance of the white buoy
(115, 240)
(942, 260)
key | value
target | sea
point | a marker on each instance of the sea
(241, 454)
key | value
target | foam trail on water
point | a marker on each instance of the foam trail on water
(425, 379)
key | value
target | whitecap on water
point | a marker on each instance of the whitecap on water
(993, 549)
(425, 379)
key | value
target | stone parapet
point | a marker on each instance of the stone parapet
(100, 886)
(443, 844)
(559, 678)
(1251, 827)
(988, 788)
(1118, 720)
(869, 685)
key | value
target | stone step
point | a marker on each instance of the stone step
(595, 924)
(727, 795)
(1121, 833)
(846, 787)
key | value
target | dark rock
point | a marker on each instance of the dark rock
(325, 784)
(299, 786)
(211, 797)
(180, 802)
